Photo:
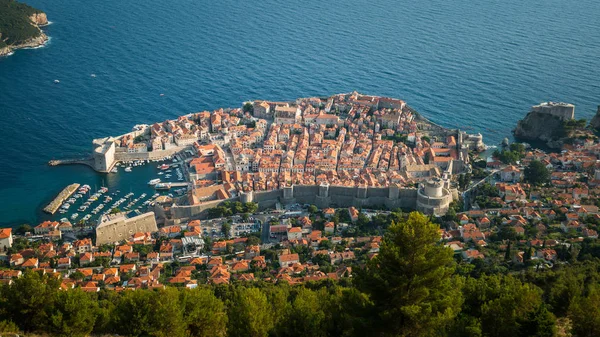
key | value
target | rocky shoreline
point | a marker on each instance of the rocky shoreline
(39, 20)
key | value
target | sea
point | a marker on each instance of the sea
(477, 65)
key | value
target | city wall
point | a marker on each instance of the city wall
(321, 196)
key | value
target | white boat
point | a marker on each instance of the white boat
(56, 81)
(93, 75)
(154, 181)
(128, 169)
(114, 170)
(87, 217)
(74, 216)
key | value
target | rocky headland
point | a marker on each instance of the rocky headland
(20, 27)
(553, 124)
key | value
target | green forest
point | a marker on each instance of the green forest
(414, 287)
(15, 25)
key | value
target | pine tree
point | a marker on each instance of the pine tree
(410, 281)
(507, 254)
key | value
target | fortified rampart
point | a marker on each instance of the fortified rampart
(325, 196)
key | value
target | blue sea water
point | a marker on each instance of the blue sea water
(474, 64)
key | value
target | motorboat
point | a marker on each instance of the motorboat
(154, 181)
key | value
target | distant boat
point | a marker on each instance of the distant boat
(56, 81)
(162, 94)
(93, 75)
(128, 169)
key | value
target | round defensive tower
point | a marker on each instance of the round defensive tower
(433, 198)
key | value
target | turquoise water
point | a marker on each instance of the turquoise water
(478, 64)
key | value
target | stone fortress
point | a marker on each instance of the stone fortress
(564, 111)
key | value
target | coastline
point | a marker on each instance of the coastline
(38, 20)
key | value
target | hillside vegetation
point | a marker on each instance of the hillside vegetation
(412, 288)
(16, 26)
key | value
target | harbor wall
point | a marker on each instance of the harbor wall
(152, 155)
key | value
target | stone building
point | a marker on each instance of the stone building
(117, 227)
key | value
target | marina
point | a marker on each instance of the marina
(127, 189)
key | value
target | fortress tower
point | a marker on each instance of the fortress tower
(433, 197)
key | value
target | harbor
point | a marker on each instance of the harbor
(127, 188)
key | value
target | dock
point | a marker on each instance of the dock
(60, 198)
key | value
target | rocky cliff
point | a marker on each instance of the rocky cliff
(39, 19)
(595, 122)
(543, 127)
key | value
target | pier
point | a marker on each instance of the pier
(60, 198)
(179, 184)
(80, 161)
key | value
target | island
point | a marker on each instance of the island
(20, 27)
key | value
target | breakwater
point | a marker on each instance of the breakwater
(60, 198)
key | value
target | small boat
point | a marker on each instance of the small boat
(56, 81)
(162, 186)
(87, 217)
(74, 216)
(128, 169)
(160, 173)
(154, 181)
(114, 170)
(93, 75)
